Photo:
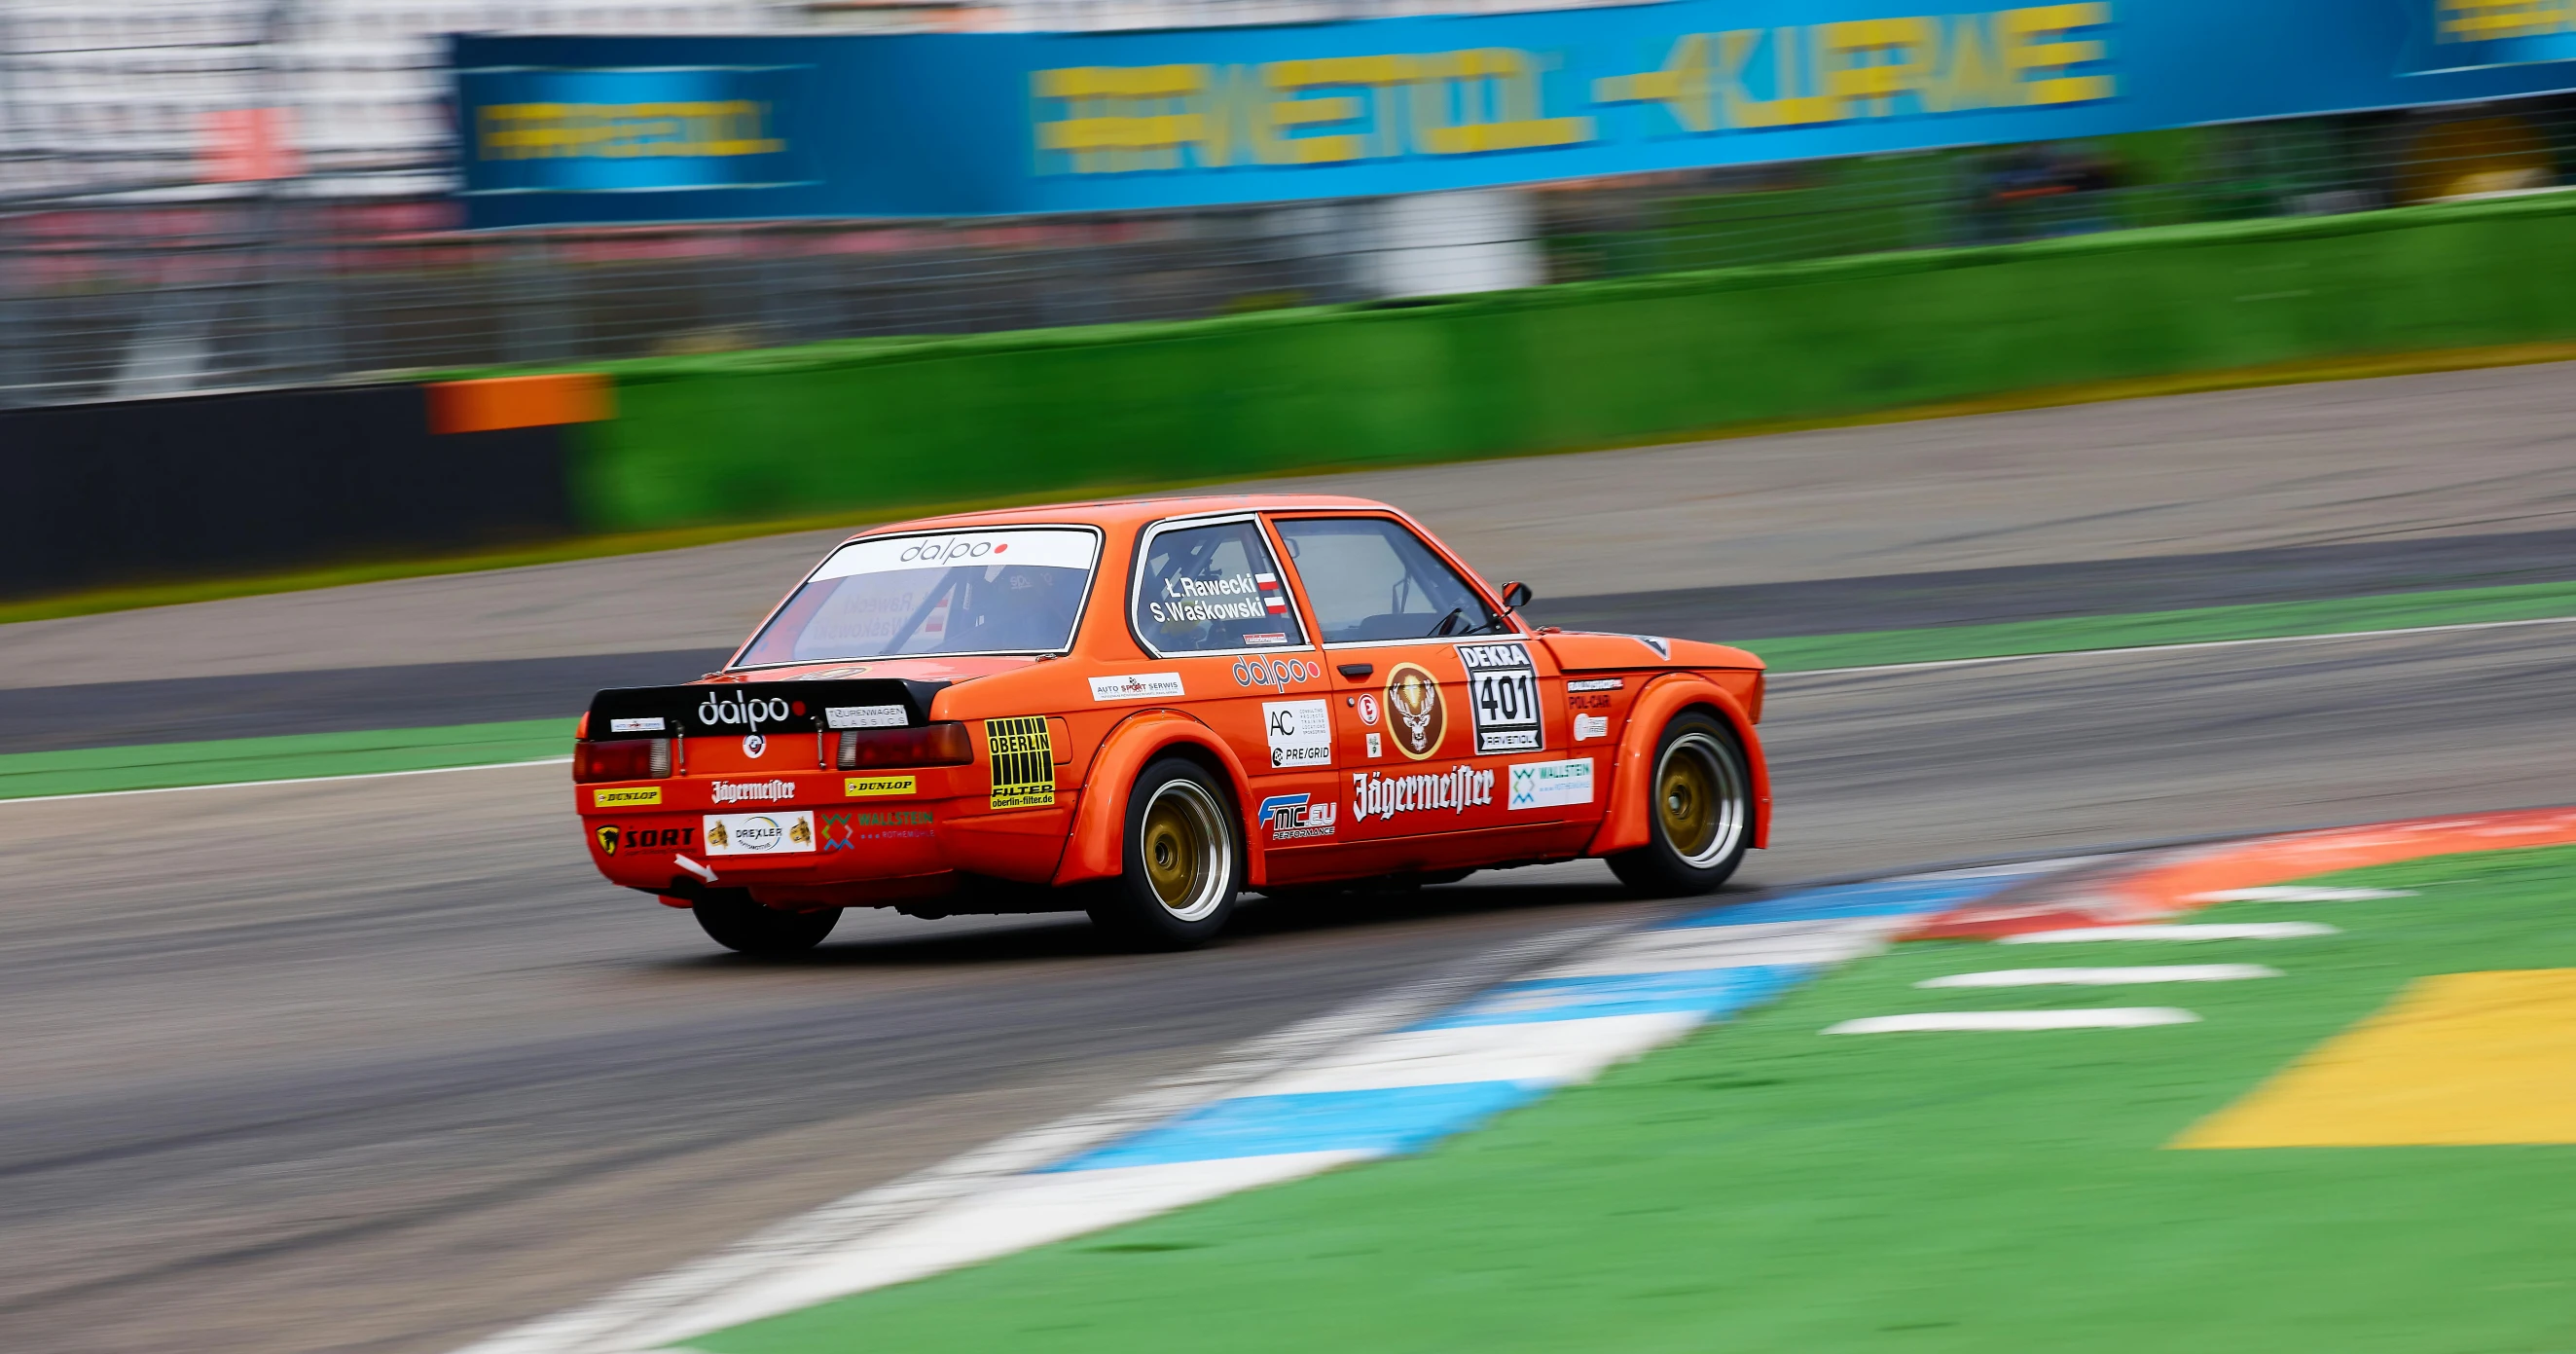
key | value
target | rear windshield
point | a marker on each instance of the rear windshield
(971, 592)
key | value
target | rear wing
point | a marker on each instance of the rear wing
(704, 709)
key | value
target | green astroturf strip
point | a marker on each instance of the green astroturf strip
(285, 757)
(2261, 620)
(1766, 1188)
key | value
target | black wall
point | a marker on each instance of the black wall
(211, 484)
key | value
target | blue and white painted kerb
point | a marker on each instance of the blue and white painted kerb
(1382, 1095)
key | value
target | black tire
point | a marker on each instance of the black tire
(1701, 817)
(1183, 866)
(731, 919)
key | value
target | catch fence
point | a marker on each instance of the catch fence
(156, 239)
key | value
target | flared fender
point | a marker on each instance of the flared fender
(1093, 849)
(1624, 825)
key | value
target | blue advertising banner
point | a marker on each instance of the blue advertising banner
(571, 129)
(2466, 34)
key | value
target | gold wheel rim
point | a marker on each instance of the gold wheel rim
(1686, 801)
(1185, 851)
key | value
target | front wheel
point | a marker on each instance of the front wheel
(731, 919)
(1184, 861)
(1701, 819)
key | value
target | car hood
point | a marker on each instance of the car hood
(1589, 651)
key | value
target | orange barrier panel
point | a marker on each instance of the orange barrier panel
(499, 402)
(2165, 883)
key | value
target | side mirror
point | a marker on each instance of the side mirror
(1516, 595)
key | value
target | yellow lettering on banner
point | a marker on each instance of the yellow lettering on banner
(713, 128)
(2030, 44)
(1382, 76)
(1122, 117)
(1787, 108)
(1493, 94)
(1868, 62)
(1684, 86)
(1967, 74)
(2489, 20)
(1734, 53)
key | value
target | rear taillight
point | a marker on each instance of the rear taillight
(622, 759)
(928, 745)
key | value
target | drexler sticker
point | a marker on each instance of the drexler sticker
(758, 834)
(1022, 753)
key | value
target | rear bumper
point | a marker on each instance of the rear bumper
(816, 852)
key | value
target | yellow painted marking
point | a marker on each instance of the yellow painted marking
(2460, 1059)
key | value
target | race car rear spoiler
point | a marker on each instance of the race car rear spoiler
(761, 707)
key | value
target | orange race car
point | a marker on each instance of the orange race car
(1140, 710)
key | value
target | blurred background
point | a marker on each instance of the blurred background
(202, 195)
(2161, 435)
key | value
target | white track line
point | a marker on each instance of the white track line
(2104, 977)
(813, 1253)
(2251, 930)
(289, 780)
(2173, 648)
(2298, 893)
(2104, 1018)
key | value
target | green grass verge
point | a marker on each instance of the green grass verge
(173, 592)
(1760, 1188)
(2262, 620)
(285, 757)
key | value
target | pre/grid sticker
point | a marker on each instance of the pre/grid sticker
(1023, 759)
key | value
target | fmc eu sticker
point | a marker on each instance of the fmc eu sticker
(1023, 758)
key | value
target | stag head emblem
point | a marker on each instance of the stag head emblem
(1413, 697)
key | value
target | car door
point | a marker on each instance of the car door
(1208, 603)
(1442, 703)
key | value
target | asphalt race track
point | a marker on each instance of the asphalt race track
(381, 1065)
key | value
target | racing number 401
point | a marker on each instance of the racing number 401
(1506, 697)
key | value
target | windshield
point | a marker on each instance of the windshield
(964, 593)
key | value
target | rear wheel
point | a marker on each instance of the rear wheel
(1184, 861)
(731, 919)
(1701, 819)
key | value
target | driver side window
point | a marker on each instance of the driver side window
(1371, 579)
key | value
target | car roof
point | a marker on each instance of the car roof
(1112, 514)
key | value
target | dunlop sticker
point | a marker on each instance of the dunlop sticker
(1023, 758)
(632, 796)
(870, 787)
